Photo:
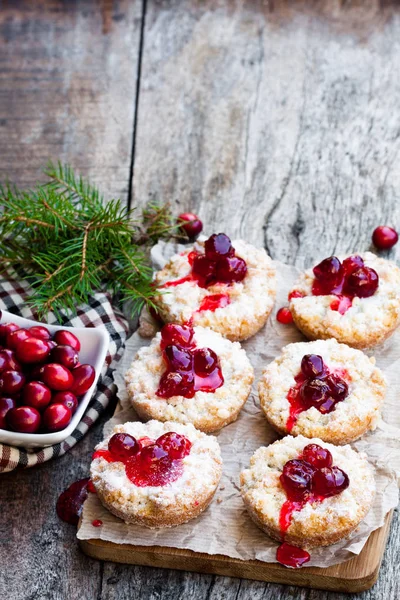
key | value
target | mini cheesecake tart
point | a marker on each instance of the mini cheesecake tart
(190, 375)
(156, 474)
(307, 493)
(227, 286)
(322, 389)
(354, 299)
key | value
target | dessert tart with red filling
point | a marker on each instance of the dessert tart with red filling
(307, 493)
(190, 375)
(322, 389)
(354, 299)
(227, 286)
(156, 474)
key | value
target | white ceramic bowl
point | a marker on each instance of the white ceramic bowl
(94, 345)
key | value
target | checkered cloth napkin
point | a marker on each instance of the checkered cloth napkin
(98, 313)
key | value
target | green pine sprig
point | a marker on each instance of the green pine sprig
(69, 243)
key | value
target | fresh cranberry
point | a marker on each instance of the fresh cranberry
(384, 237)
(314, 392)
(284, 316)
(52, 344)
(363, 282)
(65, 355)
(352, 263)
(15, 337)
(57, 377)
(68, 399)
(329, 273)
(5, 329)
(295, 294)
(177, 446)
(205, 361)
(11, 382)
(36, 394)
(32, 350)
(231, 268)
(145, 441)
(296, 478)
(67, 338)
(122, 446)
(6, 404)
(312, 365)
(153, 454)
(337, 386)
(8, 361)
(179, 335)
(179, 359)
(83, 375)
(38, 331)
(70, 502)
(218, 245)
(24, 419)
(176, 384)
(56, 417)
(191, 224)
(329, 481)
(317, 456)
(204, 268)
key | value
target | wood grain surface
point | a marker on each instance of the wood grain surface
(275, 121)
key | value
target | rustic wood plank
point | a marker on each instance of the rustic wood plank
(68, 88)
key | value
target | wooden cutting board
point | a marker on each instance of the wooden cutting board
(355, 575)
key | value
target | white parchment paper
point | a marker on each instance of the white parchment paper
(225, 528)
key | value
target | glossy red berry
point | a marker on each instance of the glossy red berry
(11, 382)
(24, 419)
(177, 446)
(179, 359)
(153, 454)
(205, 361)
(32, 350)
(191, 224)
(56, 417)
(218, 245)
(122, 446)
(179, 335)
(337, 386)
(83, 378)
(352, 263)
(15, 337)
(384, 237)
(284, 316)
(64, 355)
(68, 399)
(329, 273)
(317, 456)
(38, 331)
(56, 377)
(231, 269)
(8, 362)
(295, 294)
(67, 338)
(6, 404)
(36, 394)
(296, 478)
(314, 392)
(5, 329)
(174, 383)
(205, 269)
(312, 366)
(329, 481)
(363, 282)
(70, 502)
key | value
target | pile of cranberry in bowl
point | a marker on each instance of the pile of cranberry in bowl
(47, 376)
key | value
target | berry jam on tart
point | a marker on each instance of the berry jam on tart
(322, 389)
(306, 493)
(156, 474)
(190, 375)
(353, 299)
(227, 286)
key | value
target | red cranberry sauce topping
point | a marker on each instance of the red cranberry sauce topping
(189, 369)
(345, 280)
(315, 386)
(290, 556)
(310, 478)
(148, 462)
(218, 264)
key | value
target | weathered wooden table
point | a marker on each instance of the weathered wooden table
(275, 121)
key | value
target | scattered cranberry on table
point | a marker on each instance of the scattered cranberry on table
(384, 237)
(191, 225)
(41, 379)
(284, 316)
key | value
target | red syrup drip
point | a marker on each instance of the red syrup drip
(292, 557)
(97, 523)
(103, 454)
(213, 302)
(91, 487)
(70, 502)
